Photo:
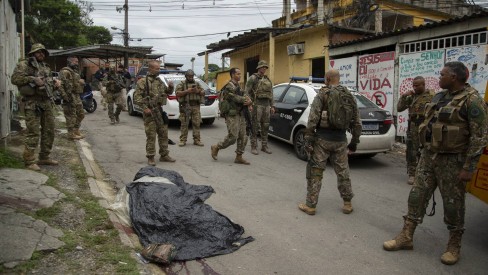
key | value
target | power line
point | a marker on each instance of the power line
(189, 36)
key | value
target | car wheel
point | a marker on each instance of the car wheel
(92, 106)
(299, 144)
(208, 121)
(130, 108)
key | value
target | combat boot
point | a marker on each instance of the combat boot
(451, 256)
(78, 133)
(254, 150)
(404, 240)
(150, 161)
(112, 120)
(33, 167)
(197, 143)
(347, 208)
(117, 119)
(240, 160)
(266, 149)
(411, 180)
(47, 162)
(214, 151)
(166, 158)
(73, 136)
(307, 209)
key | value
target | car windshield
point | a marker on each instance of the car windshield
(361, 100)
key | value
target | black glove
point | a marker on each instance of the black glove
(352, 147)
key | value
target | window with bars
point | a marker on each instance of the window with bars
(478, 38)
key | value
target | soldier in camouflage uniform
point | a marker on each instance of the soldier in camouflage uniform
(236, 123)
(190, 95)
(453, 135)
(33, 78)
(260, 89)
(151, 99)
(114, 83)
(100, 75)
(415, 102)
(72, 106)
(328, 143)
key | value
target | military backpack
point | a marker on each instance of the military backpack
(339, 108)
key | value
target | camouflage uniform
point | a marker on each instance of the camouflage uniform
(38, 107)
(328, 144)
(415, 105)
(191, 101)
(236, 123)
(260, 90)
(154, 97)
(72, 105)
(446, 153)
(114, 83)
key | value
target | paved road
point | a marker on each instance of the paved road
(263, 198)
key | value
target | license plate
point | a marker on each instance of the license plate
(370, 127)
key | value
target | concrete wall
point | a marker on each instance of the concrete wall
(9, 55)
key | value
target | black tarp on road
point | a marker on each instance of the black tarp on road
(175, 212)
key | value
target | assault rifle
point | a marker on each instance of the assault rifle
(247, 117)
(48, 85)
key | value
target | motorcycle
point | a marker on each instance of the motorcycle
(89, 103)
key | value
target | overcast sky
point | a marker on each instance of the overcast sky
(156, 21)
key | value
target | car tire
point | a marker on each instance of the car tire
(92, 107)
(299, 144)
(208, 121)
(130, 108)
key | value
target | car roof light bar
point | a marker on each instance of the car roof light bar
(309, 79)
(171, 72)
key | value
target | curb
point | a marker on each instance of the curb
(106, 195)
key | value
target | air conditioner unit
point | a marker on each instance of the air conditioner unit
(296, 49)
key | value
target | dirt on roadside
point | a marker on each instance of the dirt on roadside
(92, 243)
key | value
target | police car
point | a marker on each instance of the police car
(292, 107)
(209, 108)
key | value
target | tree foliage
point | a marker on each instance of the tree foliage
(63, 24)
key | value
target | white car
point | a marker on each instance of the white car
(209, 109)
(292, 103)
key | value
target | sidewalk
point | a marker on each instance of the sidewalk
(24, 192)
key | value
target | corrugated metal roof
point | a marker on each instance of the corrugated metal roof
(482, 14)
(102, 51)
(245, 39)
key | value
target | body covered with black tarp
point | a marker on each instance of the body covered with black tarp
(166, 209)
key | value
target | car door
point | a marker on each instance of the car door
(275, 120)
(290, 109)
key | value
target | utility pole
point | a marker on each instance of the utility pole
(126, 33)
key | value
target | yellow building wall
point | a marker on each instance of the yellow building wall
(285, 65)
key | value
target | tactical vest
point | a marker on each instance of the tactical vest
(30, 89)
(156, 87)
(264, 88)
(228, 107)
(75, 78)
(444, 130)
(191, 97)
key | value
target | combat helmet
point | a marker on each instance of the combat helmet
(38, 47)
(189, 72)
(261, 64)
